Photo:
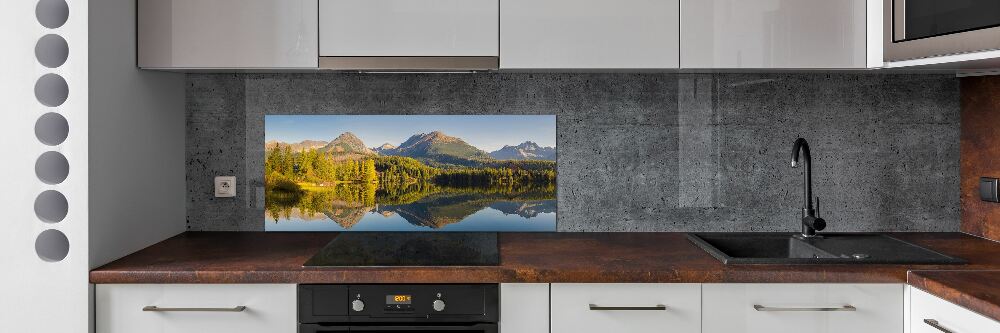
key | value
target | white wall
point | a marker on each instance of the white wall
(137, 186)
(137, 131)
(38, 295)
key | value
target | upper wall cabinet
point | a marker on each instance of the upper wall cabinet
(779, 34)
(192, 34)
(399, 34)
(589, 34)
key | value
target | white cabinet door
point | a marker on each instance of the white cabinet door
(589, 34)
(425, 28)
(927, 310)
(524, 307)
(773, 34)
(628, 307)
(270, 308)
(802, 308)
(227, 34)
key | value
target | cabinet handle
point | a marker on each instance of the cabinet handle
(934, 323)
(768, 308)
(159, 309)
(595, 307)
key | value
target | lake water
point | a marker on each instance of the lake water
(435, 209)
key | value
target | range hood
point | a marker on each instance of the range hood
(409, 35)
(410, 64)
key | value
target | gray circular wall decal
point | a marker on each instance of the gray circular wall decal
(52, 167)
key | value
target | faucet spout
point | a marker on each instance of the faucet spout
(802, 146)
(810, 222)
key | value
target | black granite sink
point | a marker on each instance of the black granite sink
(833, 248)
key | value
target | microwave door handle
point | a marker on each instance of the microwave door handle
(898, 17)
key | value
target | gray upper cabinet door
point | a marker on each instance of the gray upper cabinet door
(221, 34)
(778, 34)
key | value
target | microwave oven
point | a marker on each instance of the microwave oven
(915, 29)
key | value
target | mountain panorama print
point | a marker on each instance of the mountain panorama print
(410, 173)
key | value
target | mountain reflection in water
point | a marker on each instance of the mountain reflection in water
(415, 207)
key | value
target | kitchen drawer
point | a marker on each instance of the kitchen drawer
(633, 308)
(270, 308)
(948, 316)
(802, 308)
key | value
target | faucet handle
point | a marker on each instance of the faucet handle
(817, 206)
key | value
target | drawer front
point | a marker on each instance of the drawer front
(633, 308)
(946, 315)
(803, 308)
(269, 308)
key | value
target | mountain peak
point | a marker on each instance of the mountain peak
(438, 135)
(439, 146)
(347, 143)
(527, 150)
(385, 149)
(347, 136)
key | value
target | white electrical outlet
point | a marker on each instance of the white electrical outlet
(225, 186)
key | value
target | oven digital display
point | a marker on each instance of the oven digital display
(398, 299)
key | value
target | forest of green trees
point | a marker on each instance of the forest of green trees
(312, 166)
(288, 173)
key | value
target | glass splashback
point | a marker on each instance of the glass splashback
(462, 173)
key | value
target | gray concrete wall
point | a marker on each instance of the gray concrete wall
(637, 152)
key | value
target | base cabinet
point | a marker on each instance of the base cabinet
(524, 307)
(930, 314)
(633, 308)
(803, 308)
(180, 308)
(569, 308)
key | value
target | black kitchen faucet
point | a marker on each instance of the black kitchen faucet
(810, 222)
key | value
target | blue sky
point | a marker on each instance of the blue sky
(486, 132)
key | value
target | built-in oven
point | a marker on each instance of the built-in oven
(916, 29)
(377, 308)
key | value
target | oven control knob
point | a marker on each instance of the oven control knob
(358, 305)
(438, 305)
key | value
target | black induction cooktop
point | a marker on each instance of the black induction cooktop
(409, 249)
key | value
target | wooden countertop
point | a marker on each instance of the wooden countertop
(257, 257)
(978, 291)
